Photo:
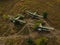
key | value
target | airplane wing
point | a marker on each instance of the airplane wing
(49, 28)
(21, 21)
(17, 18)
(29, 12)
(35, 13)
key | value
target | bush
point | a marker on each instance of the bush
(37, 24)
(5, 16)
(30, 41)
(41, 41)
(45, 15)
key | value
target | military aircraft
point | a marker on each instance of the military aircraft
(17, 20)
(44, 28)
(34, 15)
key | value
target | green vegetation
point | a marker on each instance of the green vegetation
(45, 15)
(37, 24)
(41, 41)
(5, 17)
(30, 41)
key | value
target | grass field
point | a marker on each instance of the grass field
(14, 7)
(52, 7)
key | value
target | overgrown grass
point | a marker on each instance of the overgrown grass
(41, 41)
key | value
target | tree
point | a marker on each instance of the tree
(43, 42)
(45, 15)
(30, 41)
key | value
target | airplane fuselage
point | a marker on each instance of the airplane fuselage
(41, 29)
